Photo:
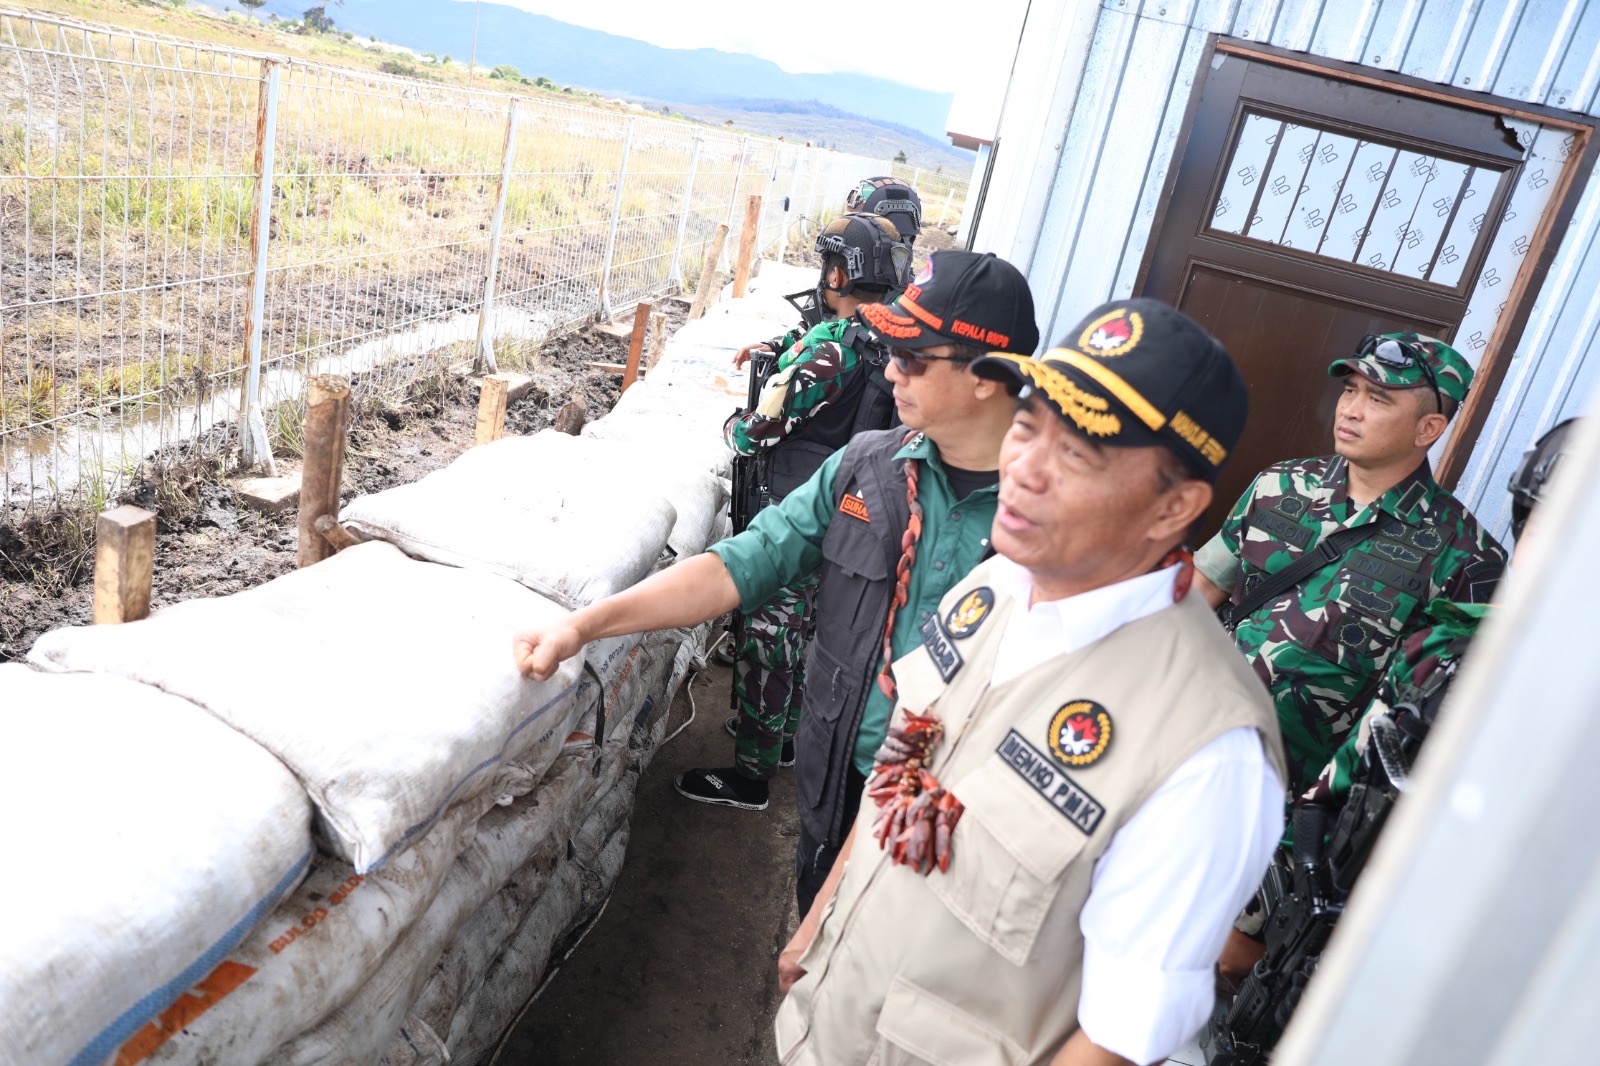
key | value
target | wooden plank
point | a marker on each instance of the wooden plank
(747, 246)
(124, 560)
(492, 393)
(658, 338)
(708, 274)
(641, 320)
(613, 368)
(327, 428)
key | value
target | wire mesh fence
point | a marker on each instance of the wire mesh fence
(187, 233)
(943, 192)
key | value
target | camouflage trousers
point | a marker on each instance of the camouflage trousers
(769, 677)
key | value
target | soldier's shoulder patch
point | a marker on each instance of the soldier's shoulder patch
(1480, 578)
(1080, 733)
(965, 617)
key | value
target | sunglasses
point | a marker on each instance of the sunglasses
(914, 364)
(1400, 355)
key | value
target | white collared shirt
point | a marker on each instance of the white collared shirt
(1176, 875)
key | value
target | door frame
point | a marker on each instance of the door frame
(1575, 172)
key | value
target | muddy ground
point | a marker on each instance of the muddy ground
(682, 968)
(207, 544)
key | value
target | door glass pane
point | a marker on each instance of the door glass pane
(1285, 182)
(1232, 208)
(1351, 199)
(1464, 228)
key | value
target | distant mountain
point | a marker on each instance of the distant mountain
(620, 66)
(830, 127)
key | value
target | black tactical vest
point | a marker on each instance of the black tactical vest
(866, 403)
(856, 584)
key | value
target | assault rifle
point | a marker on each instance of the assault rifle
(750, 489)
(1305, 890)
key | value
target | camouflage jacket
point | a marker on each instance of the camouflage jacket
(1417, 669)
(1323, 647)
(807, 379)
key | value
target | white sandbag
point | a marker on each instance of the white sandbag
(528, 835)
(569, 520)
(698, 446)
(146, 840)
(314, 951)
(516, 974)
(410, 703)
(526, 507)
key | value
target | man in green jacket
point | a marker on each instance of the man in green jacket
(890, 523)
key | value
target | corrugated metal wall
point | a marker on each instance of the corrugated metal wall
(1099, 94)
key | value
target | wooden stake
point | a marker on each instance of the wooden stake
(327, 427)
(708, 274)
(747, 246)
(492, 392)
(124, 557)
(641, 320)
(658, 337)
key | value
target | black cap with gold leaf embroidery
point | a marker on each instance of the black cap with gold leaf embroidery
(1136, 373)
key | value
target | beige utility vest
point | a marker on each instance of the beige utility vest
(982, 965)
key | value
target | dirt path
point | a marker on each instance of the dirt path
(681, 970)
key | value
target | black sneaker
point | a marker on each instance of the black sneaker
(724, 787)
(785, 757)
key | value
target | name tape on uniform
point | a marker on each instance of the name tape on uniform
(940, 649)
(1050, 781)
(854, 506)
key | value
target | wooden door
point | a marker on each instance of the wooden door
(1307, 211)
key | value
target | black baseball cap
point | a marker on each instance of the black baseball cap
(1136, 373)
(959, 298)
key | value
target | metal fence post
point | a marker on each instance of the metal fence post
(484, 352)
(945, 209)
(255, 448)
(733, 199)
(674, 276)
(616, 216)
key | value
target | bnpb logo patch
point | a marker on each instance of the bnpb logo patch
(965, 617)
(1080, 733)
(1116, 333)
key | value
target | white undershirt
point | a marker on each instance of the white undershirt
(1176, 875)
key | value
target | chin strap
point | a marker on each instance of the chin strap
(1179, 556)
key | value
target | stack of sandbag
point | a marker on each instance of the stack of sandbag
(535, 870)
(680, 406)
(387, 686)
(469, 821)
(572, 518)
(145, 839)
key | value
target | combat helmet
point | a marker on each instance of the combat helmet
(1532, 479)
(869, 249)
(891, 198)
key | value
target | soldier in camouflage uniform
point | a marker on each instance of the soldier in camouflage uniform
(823, 391)
(1426, 662)
(889, 197)
(1322, 647)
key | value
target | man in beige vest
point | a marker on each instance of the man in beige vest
(1097, 786)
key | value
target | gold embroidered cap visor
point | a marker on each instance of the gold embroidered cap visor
(1136, 373)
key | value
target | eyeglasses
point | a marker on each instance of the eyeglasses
(914, 364)
(1400, 354)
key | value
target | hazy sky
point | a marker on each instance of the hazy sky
(948, 41)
